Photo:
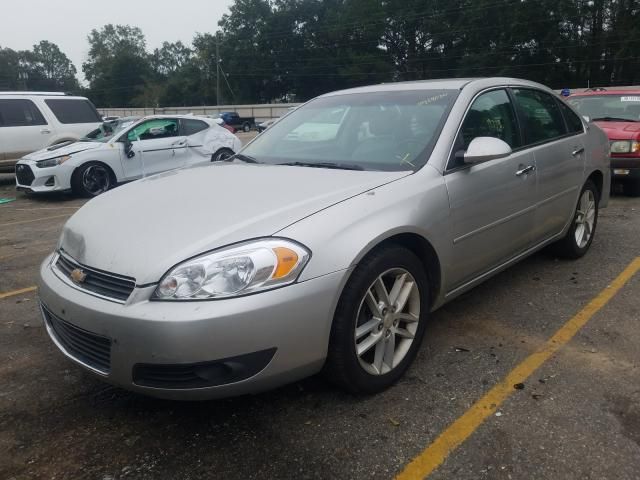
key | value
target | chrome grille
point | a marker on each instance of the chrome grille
(105, 284)
(86, 347)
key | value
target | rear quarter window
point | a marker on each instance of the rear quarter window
(69, 110)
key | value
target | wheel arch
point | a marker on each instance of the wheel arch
(114, 178)
(422, 248)
(597, 177)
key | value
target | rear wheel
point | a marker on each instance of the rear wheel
(583, 228)
(246, 127)
(222, 155)
(92, 179)
(379, 322)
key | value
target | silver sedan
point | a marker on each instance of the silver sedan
(325, 244)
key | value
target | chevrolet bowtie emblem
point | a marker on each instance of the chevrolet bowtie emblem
(78, 276)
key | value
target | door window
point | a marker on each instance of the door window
(20, 113)
(154, 129)
(574, 124)
(491, 115)
(73, 110)
(540, 114)
(191, 127)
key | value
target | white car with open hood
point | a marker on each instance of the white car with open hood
(124, 150)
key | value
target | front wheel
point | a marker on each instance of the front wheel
(91, 179)
(379, 322)
(583, 227)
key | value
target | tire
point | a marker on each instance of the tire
(246, 127)
(573, 245)
(92, 179)
(360, 373)
(632, 188)
(222, 155)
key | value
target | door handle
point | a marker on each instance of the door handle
(179, 143)
(577, 151)
(45, 131)
(525, 170)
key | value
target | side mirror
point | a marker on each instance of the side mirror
(586, 118)
(128, 149)
(482, 149)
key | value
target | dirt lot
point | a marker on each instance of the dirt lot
(576, 417)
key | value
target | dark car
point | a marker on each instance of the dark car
(236, 121)
(617, 112)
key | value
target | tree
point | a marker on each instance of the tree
(118, 67)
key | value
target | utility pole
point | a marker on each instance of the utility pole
(217, 69)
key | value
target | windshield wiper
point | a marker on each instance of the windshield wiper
(613, 119)
(337, 166)
(243, 158)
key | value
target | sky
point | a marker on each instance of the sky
(68, 22)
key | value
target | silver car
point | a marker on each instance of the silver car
(326, 242)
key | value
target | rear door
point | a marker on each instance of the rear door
(23, 128)
(557, 142)
(492, 203)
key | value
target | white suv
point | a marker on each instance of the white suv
(30, 121)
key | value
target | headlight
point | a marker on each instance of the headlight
(237, 270)
(52, 162)
(621, 146)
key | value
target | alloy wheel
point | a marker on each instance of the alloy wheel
(96, 179)
(585, 218)
(387, 321)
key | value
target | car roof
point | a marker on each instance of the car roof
(606, 92)
(440, 84)
(42, 94)
(207, 120)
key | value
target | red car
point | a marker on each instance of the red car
(617, 112)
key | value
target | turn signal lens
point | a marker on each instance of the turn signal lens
(287, 261)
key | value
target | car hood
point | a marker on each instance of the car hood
(144, 228)
(620, 130)
(62, 149)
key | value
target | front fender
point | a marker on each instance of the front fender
(340, 236)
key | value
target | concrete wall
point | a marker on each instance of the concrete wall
(260, 112)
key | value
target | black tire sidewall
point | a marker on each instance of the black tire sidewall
(343, 361)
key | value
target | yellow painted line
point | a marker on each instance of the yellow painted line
(34, 220)
(436, 453)
(17, 292)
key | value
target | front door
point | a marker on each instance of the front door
(492, 204)
(154, 143)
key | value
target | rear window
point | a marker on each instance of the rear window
(73, 111)
(19, 113)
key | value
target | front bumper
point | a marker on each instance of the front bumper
(42, 180)
(625, 168)
(288, 326)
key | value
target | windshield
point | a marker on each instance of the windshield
(107, 130)
(391, 131)
(608, 107)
